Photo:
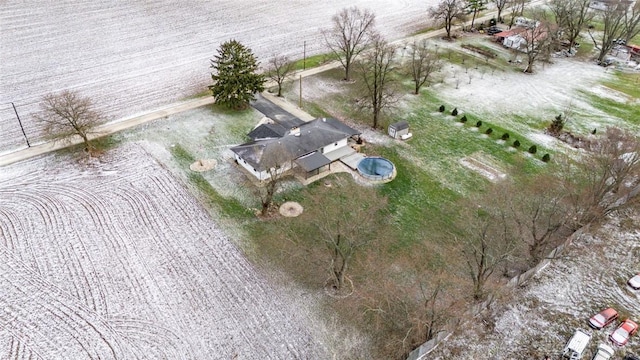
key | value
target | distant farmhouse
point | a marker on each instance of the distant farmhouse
(288, 142)
(604, 4)
(516, 37)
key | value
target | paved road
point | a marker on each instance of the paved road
(130, 122)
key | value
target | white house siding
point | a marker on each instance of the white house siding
(337, 145)
(259, 175)
(262, 175)
(399, 133)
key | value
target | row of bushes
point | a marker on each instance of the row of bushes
(505, 137)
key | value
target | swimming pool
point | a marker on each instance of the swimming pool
(376, 168)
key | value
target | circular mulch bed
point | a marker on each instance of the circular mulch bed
(203, 165)
(291, 209)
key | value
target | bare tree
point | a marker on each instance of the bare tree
(486, 242)
(377, 69)
(448, 12)
(475, 7)
(350, 35)
(500, 5)
(516, 8)
(276, 160)
(539, 40)
(571, 17)
(541, 211)
(67, 114)
(279, 68)
(607, 177)
(424, 62)
(347, 219)
(410, 302)
(631, 22)
(612, 19)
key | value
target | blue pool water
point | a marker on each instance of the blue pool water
(375, 168)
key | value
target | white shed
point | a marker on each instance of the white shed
(399, 130)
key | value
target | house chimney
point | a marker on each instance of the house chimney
(295, 131)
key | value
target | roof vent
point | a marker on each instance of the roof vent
(324, 119)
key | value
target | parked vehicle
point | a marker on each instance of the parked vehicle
(603, 318)
(605, 352)
(631, 357)
(624, 331)
(493, 30)
(575, 346)
(634, 282)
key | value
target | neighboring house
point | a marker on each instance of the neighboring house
(634, 51)
(603, 5)
(398, 130)
(525, 22)
(312, 146)
(511, 38)
(517, 37)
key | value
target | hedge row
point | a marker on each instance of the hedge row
(533, 149)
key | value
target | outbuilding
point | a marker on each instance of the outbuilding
(399, 130)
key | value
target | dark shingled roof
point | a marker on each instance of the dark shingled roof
(312, 136)
(313, 161)
(267, 131)
(275, 113)
(400, 125)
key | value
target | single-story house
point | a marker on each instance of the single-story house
(517, 37)
(311, 146)
(511, 38)
(398, 130)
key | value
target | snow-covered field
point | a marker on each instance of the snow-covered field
(134, 56)
(539, 318)
(116, 260)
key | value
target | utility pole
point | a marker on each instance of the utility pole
(300, 97)
(304, 56)
(20, 122)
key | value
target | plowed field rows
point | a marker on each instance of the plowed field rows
(119, 261)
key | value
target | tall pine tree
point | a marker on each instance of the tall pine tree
(235, 77)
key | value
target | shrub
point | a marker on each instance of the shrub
(478, 124)
(516, 144)
(463, 119)
(546, 158)
(454, 112)
(533, 149)
(593, 131)
(556, 125)
(441, 109)
(489, 131)
(505, 136)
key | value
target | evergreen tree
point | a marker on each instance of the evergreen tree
(235, 79)
(474, 7)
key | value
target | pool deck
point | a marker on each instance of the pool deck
(353, 160)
